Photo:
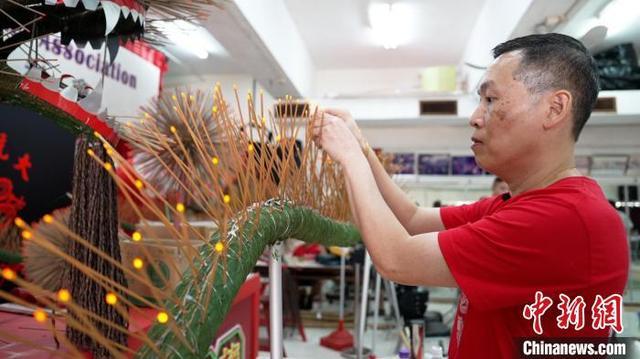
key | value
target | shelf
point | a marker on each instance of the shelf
(484, 182)
(597, 119)
(612, 119)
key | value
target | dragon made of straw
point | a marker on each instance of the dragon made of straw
(248, 174)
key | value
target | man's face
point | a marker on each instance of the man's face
(507, 121)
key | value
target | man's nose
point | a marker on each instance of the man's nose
(477, 118)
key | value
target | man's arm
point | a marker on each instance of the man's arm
(398, 255)
(351, 205)
(414, 219)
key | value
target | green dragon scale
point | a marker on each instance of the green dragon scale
(208, 297)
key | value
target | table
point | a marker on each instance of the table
(244, 313)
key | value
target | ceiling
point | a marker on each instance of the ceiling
(338, 36)
(583, 15)
(184, 63)
(335, 35)
(579, 16)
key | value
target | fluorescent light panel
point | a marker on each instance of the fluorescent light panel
(390, 23)
(192, 38)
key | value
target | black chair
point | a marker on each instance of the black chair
(412, 303)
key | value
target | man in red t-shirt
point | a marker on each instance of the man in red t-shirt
(547, 260)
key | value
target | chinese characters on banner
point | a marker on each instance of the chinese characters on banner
(10, 204)
(605, 312)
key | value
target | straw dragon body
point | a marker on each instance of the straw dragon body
(268, 223)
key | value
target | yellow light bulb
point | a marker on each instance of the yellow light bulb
(19, 222)
(138, 263)
(109, 152)
(108, 166)
(95, 133)
(8, 274)
(180, 207)
(219, 247)
(47, 218)
(278, 138)
(250, 147)
(111, 298)
(40, 315)
(64, 296)
(173, 129)
(90, 152)
(26, 234)
(136, 236)
(174, 97)
(215, 161)
(162, 317)
(139, 184)
(226, 198)
(264, 120)
(215, 109)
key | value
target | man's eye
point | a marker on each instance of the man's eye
(489, 99)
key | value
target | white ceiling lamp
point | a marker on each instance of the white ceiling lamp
(619, 15)
(191, 38)
(390, 23)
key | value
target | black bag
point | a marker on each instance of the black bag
(618, 68)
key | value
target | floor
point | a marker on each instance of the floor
(386, 339)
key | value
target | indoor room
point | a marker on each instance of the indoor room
(319, 179)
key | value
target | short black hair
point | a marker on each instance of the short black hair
(556, 61)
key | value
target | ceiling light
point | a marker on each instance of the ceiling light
(191, 38)
(618, 15)
(389, 22)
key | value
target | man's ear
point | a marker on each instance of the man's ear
(560, 103)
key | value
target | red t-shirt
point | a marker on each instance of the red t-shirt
(565, 238)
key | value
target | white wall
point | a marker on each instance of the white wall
(456, 139)
(361, 81)
(271, 20)
(425, 196)
(488, 31)
(243, 82)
